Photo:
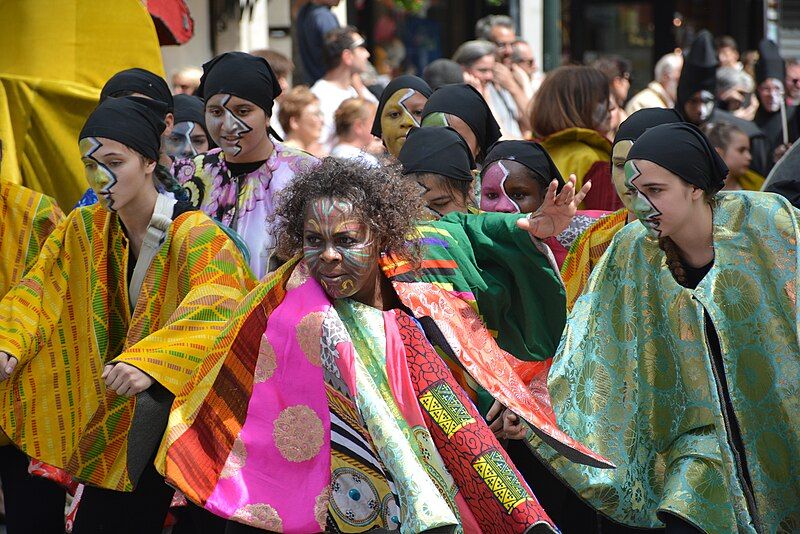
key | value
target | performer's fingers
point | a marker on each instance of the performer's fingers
(583, 192)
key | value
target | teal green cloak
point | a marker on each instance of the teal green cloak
(633, 378)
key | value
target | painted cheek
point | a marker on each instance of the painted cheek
(494, 180)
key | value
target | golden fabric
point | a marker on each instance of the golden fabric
(56, 55)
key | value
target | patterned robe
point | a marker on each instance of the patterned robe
(69, 316)
(634, 378)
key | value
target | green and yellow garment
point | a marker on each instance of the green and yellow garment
(26, 219)
(633, 377)
(70, 315)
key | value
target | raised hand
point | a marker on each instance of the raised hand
(557, 210)
(7, 365)
(126, 379)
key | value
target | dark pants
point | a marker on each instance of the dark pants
(141, 511)
(195, 520)
(34, 505)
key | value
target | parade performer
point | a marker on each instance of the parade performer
(464, 109)
(324, 405)
(237, 183)
(26, 219)
(111, 321)
(189, 136)
(590, 246)
(680, 360)
(399, 110)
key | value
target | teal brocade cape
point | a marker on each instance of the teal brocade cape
(633, 378)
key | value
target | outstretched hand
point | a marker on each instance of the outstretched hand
(557, 210)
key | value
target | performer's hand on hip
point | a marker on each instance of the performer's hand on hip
(557, 210)
(7, 365)
(125, 379)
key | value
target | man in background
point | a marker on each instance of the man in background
(314, 21)
(186, 81)
(663, 90)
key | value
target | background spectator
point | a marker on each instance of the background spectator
(663, 90)
(186, 81)
(525, 69)
(735, 93)
(793, 81)
(346, 57)
(314, 21)
(727, 52)
(353, 122)
(500, 30)
(301, 119)
(442, 72)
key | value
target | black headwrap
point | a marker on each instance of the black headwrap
(770, 64)
(134, 121)
(139, 81)
(439, 150)
(682, 149)
(243, 75)
(528, 153)
(401, 82)
(190, 108)
(466, 103)
(639, 121)
(699, 71)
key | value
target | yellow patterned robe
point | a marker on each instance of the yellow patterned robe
(26, 219)
(70, 316)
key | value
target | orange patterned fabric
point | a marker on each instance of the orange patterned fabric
(70, 316)
(587, 250)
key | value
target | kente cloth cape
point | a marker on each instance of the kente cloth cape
(246, 203)
(341, 428)
(56, 57)
(70, 315)
(586, 252)
(633, 376)
(26, 219)
(587, 154)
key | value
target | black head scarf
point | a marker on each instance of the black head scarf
(682, 149)
(439, 150)
(466, 103)
(133, 121)
(528, 153)
(699, 71)
(770, 64)
(243, 75)
(190, 108)
(139, 81)
(401, 82)
(639, 121)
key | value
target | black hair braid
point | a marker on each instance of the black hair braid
(673, 259)
(164, 178)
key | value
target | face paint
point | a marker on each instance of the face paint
(439, 198)
(230, 128)
(641, 206)
(493, 192)
(100, 178)
(178, 144)
(618, 156)
(399, 115)
(338, 248)
(446, 119)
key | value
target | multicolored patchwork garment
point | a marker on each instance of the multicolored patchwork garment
(70, 315)
(586, 252)
(244, 203)
(26, 219)
(311, 415)
(634, 377)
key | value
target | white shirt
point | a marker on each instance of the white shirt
(331, 97)
(350, 152)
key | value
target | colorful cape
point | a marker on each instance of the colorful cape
(486, 261)
(633, 377)
(587, 250)
(247, 203)
(69, 316)
(26, 219)
(587, 154)
(250, 437)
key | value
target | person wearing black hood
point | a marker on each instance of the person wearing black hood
(189, 136)
(696, 101)
(399, 110)
(770, 76)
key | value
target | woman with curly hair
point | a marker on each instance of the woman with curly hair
(328, 404)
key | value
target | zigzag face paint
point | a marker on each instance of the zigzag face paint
(338, 248)
(493, 192)
(100, 178)
(402, 111)
(640, 204)
(231, 121)
(186, 140)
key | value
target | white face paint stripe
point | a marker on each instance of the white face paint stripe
(96, 145)
(643, 197)
(503, 186)
(402, 102)
(233, 124)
